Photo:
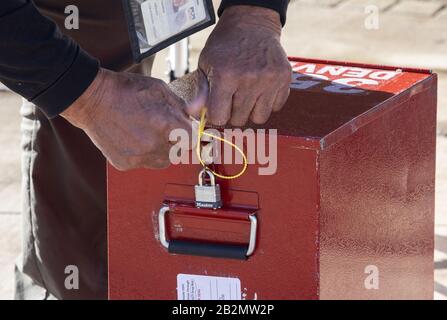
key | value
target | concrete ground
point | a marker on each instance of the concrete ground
(405, 32)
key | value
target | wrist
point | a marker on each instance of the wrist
(253, 15)
(80, 112)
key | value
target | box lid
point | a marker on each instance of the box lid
(329, 100)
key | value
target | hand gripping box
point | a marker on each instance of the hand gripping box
(346, 211)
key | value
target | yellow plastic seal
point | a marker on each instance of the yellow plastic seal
(201, 133)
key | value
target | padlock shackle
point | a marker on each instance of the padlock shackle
(210, 174)
(241, 252)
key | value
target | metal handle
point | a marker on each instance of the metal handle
(207, 249)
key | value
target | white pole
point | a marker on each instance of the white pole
(178, 59)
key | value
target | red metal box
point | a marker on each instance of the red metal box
(349, 213)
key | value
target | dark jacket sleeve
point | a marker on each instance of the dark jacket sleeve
(38, 62)
(278, 5)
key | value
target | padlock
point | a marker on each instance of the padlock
(208, 196)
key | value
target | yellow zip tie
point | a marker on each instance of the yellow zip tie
(201, 132)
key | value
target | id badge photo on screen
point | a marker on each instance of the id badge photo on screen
(156, 24)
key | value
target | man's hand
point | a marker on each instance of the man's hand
(129, 118)
(247, 69)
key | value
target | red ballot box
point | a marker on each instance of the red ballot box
(346, 211)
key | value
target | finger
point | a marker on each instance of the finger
(281, 98)
(158, 164)
(178, 117)
(153, 160)
(262, 109)
(183, 138)
(219, 103)
(243, 104)
(180, 120)
(160, 159)
(201, 95)
(134, 162)
(181, 135)
(180, 130)
(119, 165)
(155, 163)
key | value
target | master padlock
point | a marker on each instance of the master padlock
(207, 196)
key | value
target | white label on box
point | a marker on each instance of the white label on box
(195, 287)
